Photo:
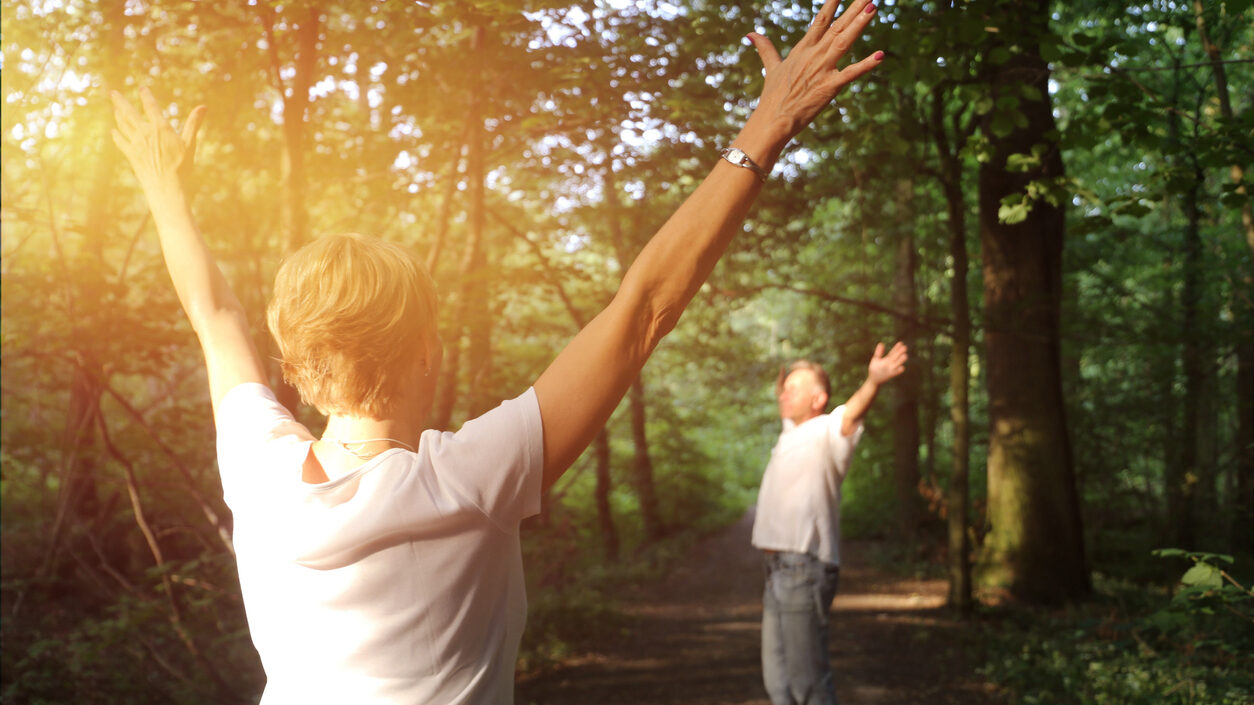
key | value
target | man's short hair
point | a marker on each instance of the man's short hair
(814, 367)
(351, 315)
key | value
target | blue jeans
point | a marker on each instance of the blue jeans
(795, 605)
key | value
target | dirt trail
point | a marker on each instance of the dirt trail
(694, 639)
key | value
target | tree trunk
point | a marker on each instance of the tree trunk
(906, 388)
(471, 311)
(958, 497)
(1235, 171)
(1181, 473)
(294, 210)
(1035, 548)
(605, 516)
(1243, 503)
(1184, 477)
(477, 289)
(642, 469)
(1243, 500)
(642, 475)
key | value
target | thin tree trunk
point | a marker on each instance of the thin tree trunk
(470, 312)
(294, 212)
(605, 515)
(1243, 503)
(1181, 474)
(906, 388)
(478, 295)
(642, 475)
(1235, 171)
(958, 497)
(1242, 532)
(1182, 493)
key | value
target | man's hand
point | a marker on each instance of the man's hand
(158, 155)
(884, 367)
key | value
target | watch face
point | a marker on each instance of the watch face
(735, 155)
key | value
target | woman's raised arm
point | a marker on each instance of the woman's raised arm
(581, 388)
(161, 158)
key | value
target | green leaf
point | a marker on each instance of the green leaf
(1002, 125)
(1203, 575)
(1011, 214)
(1031, 92)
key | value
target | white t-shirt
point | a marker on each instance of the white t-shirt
(799, 501)
(400, 582)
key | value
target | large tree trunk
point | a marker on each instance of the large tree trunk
(1035, 549)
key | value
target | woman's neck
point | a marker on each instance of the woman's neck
(349, 441)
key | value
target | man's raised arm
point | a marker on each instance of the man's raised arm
(883, 367)
(584, 384)
(160, 159)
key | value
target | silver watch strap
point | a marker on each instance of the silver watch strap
(738, 157)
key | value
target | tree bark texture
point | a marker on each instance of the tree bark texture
(1035, 548)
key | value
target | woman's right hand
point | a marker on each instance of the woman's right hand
(799, 87)
(158, 155)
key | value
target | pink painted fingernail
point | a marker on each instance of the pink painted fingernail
(870, 9)
(879, 56)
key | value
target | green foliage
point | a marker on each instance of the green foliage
(1136, 646)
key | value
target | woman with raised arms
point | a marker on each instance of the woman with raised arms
(380, 562)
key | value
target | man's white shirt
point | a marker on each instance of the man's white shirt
(799, 501)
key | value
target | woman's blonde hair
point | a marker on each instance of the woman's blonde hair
(352, 316)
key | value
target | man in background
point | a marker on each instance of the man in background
(797, 526)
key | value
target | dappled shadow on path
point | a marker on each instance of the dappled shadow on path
(693, 638)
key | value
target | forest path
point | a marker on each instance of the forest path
(693, 638)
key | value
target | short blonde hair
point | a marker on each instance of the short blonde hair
(350, 313)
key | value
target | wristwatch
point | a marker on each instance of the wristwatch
(739, 158)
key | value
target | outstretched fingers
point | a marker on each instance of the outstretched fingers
(823, 20)
(853, 71)
(847, 29)
(191, 128)
(855, 10)
(124, 114)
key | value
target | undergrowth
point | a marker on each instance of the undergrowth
(1193, 645)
